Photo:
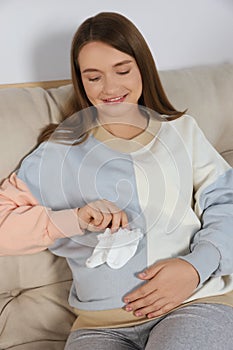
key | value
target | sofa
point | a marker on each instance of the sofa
(34, 312)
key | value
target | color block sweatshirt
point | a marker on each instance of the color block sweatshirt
(172, 184)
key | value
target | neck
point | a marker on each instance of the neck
(124, 131)
(124, 127)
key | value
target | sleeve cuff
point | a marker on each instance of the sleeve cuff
(63, 223)
(205, 258)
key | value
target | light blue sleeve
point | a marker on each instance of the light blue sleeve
(211, 248)
(29, 172)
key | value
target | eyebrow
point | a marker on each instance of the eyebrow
(89, 70)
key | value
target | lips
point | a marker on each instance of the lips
(112, 100)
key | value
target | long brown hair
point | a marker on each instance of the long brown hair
(119, 32)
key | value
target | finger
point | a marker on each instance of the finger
(124, 220)
(95, 216)
(149, 309)
(88, 216)
(116, 221)
(151, 271)
(107, 211)
(164, 309)
(142, 303)
(119, 218)
(93, 219)
(107, 218)
(141, 292)
(99, 208)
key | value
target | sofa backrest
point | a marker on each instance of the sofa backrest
(206, 92)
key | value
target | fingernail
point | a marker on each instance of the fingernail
(126, 301)
(138, 314)
(143, 274)
(126, 226)
(128, 308)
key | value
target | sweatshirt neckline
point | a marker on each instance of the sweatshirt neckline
(134, 144)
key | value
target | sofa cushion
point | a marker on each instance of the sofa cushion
(33, 300)
(34, 289)
(24, 112)
(207, 93)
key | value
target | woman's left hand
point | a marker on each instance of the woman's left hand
(169, 283)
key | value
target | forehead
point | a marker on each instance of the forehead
(98, 53)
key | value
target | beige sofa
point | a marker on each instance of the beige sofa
(34, 313)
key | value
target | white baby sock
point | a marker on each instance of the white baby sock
(115, 248)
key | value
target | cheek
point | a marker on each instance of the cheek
(92, 91)
(137, 84)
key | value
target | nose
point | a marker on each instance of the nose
(110, 85)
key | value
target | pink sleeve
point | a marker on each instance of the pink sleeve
(27, 227)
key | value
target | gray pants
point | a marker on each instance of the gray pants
(194, 327)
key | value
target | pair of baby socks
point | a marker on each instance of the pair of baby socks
(115, 249)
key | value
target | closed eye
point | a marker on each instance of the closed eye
(94, 79)
(124, 72)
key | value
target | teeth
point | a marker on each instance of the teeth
(114, 99)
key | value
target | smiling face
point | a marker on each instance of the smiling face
(110, 77)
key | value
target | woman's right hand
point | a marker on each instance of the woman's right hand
(97, 216)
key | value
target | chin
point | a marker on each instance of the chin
(116, 110)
